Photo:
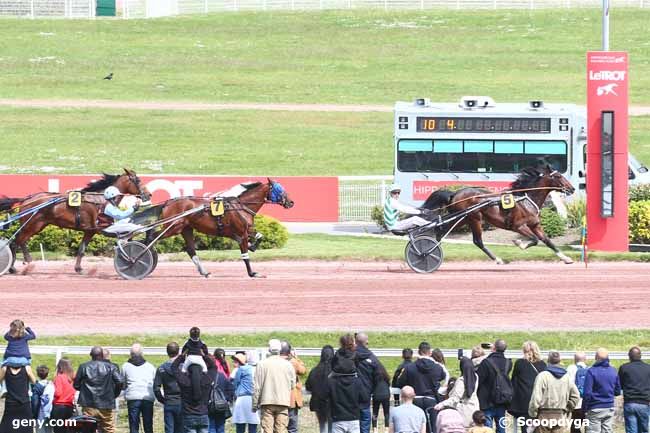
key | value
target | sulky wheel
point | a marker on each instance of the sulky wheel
(6, 256)
(154, 253)
(133, 261)
(423, 254)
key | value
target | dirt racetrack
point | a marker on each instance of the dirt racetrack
(330, 295)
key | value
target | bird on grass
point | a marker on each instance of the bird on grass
(109, 76)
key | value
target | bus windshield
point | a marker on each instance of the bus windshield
(479, 156)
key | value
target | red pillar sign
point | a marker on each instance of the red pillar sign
(607, 153)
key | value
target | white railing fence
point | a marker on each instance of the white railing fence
(48, 8)
(359, 194)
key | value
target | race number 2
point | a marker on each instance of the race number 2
(74, 198)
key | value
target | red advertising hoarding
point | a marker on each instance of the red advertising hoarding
(316, 198)
(423, 188)
(607, 98)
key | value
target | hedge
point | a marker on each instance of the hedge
(66, 241)
(552, 223)
(639, 220)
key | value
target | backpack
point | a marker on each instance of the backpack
(502, 392)
(581, 374)
(39, 399)
(217, 404)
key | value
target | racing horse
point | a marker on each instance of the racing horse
(61, 214)
(236, 222)
(530, 190)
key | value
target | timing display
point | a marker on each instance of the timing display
(484, 124)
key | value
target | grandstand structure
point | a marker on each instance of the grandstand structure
(158, 8)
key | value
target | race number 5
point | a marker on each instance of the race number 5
(74, 198)
(507, 201)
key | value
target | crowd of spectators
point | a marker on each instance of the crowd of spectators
(348, 389)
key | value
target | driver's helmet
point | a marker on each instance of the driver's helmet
(394, 188)
(111, 192)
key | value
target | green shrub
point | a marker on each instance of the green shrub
(377, 215)
(576, 211)
(275, 234)
(552, 223)
(639, 220)
(639, 193)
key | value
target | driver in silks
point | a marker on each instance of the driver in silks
(393, 207)
(120, 213)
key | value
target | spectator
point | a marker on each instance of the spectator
(462, 396)
(217, 420)
(42, 397)
(478, 355)
(450, 421)
(635, 382)
(63, 402)
(381, 397)
(317, 384)
(439, 358)
(138, 390)
(524, 373)
(296, 402)
(368, 371)
(554, 395)
(424, 376)
(407, 358)
(578, 372)
(601, 386)
(195, 350)
(275, 377)
(17, 352)
(233, 371)
(243, 413)
(488, 371)
(345, 389)
(17, 404)
(170, 397)
(195, 386)
(98, 383)
(221, 361)
(407, 418)
(479, 423)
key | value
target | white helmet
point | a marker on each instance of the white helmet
(394, 187)
(111, 192)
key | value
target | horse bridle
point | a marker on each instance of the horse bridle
(135, 180)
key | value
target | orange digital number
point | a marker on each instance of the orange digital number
(451, 124)
(430, 124)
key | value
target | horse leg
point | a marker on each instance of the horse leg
(525, 231)
(23, 237)
(243, 247)
(82, 250)
(477, 237)
(542, 236)
(12, 268)
(27, 257)
(190, 247)
(254, 241)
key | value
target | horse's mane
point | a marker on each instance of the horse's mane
(250, 185)
(101, 184)
(528, 178)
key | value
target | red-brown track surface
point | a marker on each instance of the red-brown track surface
(302, 296)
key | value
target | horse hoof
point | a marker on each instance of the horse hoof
(498, 261)
(567, 261)
(519, 243)
(256, 275)
(79, 270)
(12, 270)
(28, 269)
(206, 275)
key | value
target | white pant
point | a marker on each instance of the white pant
(194, 360)
(122, 226)
(345, 426)
(414, 221)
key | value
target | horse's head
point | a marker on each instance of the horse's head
(554, 179)
(129, 183)
(278, 195)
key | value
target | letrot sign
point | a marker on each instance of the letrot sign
(607, 150)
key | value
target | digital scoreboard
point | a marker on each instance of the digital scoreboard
(515, 125)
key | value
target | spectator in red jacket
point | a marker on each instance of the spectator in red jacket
(63, 403)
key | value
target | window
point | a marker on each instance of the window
(479, 156)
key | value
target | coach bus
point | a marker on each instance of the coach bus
(479, 142)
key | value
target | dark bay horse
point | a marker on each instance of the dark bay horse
(237, 221)
(82, 218)
(533, 185)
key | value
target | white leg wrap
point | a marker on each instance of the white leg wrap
(198, 265)
(564, 258)
(244, 256)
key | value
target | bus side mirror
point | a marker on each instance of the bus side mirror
(581, 174)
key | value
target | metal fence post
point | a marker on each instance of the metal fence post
(382, 191)
(205, 6)
(59, 355)
(31, 7)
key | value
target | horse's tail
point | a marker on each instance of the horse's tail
(6, 203)
(439, 199)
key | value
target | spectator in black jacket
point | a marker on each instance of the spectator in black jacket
(317, 385)
(523, 379)
(424, 375)
(487, 373)
(345, 390)
(407, 358)
(99, 383)
(217, 422)
(368, 371)
(195, 386)
(170, 397)
(635, 383)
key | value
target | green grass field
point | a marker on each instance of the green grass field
(356, 56)
(219, 142)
